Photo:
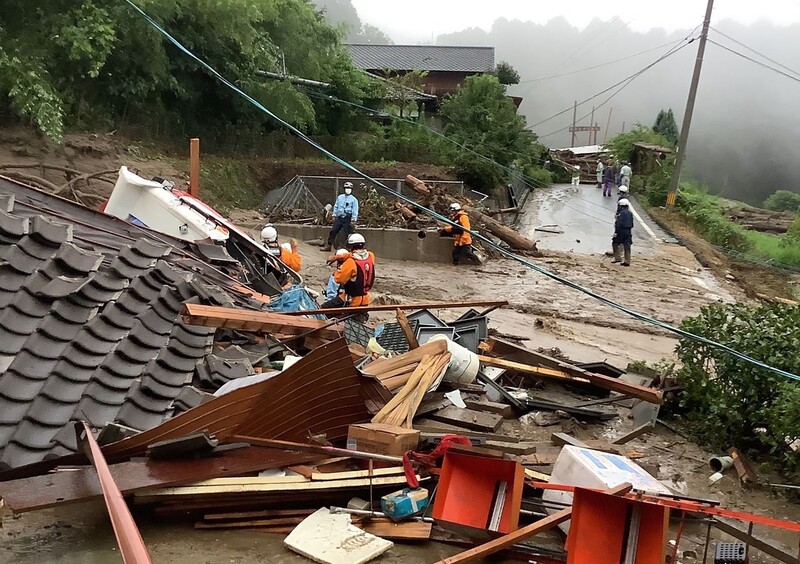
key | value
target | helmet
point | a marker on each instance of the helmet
(348, 184)
(342, 252)
(455, 206)
(624, 202)
(269, 234)
(623, 189)
(356, 239)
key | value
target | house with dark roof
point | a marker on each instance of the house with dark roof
(447, 66)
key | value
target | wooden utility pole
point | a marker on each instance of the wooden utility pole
(591, 122)
(194, 167)
(687, 115)
(608, 124)
(574, 119)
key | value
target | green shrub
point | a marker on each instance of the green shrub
(539, 176)
(783, 200)
(727, 401)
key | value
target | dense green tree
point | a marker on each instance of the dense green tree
(621, 146)
(783, 200)
(667, 126)
(506, 74)
(93, 63)
(480, 116)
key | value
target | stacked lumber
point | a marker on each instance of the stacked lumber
(395, 372)
(403, 406)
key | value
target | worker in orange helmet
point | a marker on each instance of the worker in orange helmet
(287, 252)
(356, 275)
(463, 240)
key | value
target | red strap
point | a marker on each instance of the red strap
(429, 460)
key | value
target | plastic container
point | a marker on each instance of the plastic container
(464, 364)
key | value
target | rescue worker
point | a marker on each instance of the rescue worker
(625, 174)
(623, 233)
(355, 276)
(462, 246)
(287, 252)
(345, 215)
(576, 176)
(608, 179)
(332, 289)
(623, 193)
(599, 170)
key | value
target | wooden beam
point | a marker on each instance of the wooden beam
(320, 449)
(407, 331)
(408, 530)
(522, 534)
(537, 364)
(468, 419)
(257, 321)
(194, 167)
(392, 307)
(637, 432)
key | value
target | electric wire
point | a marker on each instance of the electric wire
(773, 61)
(752, 60)
(585, 42)
(503, 251)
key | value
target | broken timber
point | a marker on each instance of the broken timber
(402, 320)
(537, 364)
(392, 307)
(468, 419)
(256, 321)
(505, 234)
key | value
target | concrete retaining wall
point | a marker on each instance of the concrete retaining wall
(392, 244)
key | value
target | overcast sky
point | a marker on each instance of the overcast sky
(420, 21)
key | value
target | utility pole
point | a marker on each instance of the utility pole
(608, 124)
(687, 115)
(591, 122)
(574, 118)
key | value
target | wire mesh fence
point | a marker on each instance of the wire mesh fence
(310, 194)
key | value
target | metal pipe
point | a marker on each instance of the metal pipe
(366, 513)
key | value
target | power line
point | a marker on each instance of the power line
(503, 251)
(600, 65)
(756, 52)
(759, 63)
(585, 42)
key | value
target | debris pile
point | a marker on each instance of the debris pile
(136, 370)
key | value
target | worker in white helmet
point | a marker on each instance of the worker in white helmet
(356, 275)
(345, 215)
(462, 246)
(287, 252)
(623, 233)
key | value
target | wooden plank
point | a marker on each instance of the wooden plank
(534, 475)
(558, 369)
(257, 321)
(474, 450)
(330, 476)
(528, 369)
(538, 459)
(392, 307)
(407, 330)
(522, 534)
(743, 466)
(262, 514)
(501, 409)
(408, 530)
(468, 419)
(383, 365)
(436, 429)
(565, 439)
(519, 449)
(249, 523)
(637, 432)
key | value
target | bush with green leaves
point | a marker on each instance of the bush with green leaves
(621, 146)
(702, 213)
(728, 402)
(783, 200)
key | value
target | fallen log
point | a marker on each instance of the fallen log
(505, 234)
(407, 214)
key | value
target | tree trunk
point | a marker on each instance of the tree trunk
(505, 234)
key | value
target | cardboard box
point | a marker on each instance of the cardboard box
(382, 439)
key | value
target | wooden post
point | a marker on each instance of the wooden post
(194, 167)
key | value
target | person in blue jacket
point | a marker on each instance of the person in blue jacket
(623, 233)
(345, 215)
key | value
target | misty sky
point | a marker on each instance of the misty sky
(420, 21)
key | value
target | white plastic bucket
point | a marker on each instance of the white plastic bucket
(464, 364)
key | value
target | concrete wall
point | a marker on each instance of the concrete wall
(392, 244)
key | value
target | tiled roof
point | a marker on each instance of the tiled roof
(422, 57)
(89, 322)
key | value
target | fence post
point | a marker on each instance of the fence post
(335, 189)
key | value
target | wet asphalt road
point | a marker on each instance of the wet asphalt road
(586, 220)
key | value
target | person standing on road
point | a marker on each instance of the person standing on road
(463, 240)
(623, 233)
(600, 167)
(345, 215)
(576, 175)
(625, 174)
(609, 175)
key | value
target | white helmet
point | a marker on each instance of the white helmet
(342, 252)
(269, 234)
(623, 189)
(348, 184)
(455, 206)
(356, 239)
(624, 202)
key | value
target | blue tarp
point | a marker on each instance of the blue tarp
(295, 298)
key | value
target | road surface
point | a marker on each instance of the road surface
(584, 219)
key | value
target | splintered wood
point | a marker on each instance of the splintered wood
(403, 406)
(395, 372)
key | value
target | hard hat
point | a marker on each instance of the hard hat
(348, 184)
(623, 189)
(356, 239)
(269, 234)
(455, 206)
(624, 202)
(342, 252)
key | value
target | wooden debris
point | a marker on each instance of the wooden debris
(501, 409)
(538, 459)
(469, 419)
(743, 466)
(436, 429)
(565, 439)
(395, 372)
(407, 330)
(519, 449)
(635, 433)
(263, 514)
(392, 307)
(406, 530)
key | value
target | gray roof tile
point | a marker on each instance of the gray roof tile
(12, 227)
(422, 57)
(50, 231)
